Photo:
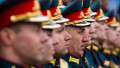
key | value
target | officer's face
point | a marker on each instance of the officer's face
(88, 31)
(118, 38)
(111, 36)
(101, 31)
(79, 35)
(63, 38)
(93, 29)
(92, 35)
(49, 47)
(28, 44)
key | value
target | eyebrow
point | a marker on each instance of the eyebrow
(48, 30)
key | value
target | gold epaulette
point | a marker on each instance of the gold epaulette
(53, 62)
(114, 52)
(13, 66)
(106, 51)
(117, 49)
(95, 47)
(82, 54)
(88, 47)
(71, 59)
(32, 67)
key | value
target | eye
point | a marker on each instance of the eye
(81, 31)
(48, 32)
(60, 30)
(36, 29)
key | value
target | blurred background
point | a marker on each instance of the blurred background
(107, 5)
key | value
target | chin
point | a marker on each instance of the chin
(47, 61)
(87, 44)
(101, 40)
(81, 52)
(51, 58)
(64, 52)
(94, 37)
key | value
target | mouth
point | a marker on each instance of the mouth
(82, 47)
(90, 35)
(53, 51)
(67, 44)
(42, 50)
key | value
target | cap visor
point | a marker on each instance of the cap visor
(90, 19)
(103, 18)
(83, 24)
(51, 26)
(118, 29)
(61, 6)
(93, 13)
(114, 25)
(40, 18)
(61, 20)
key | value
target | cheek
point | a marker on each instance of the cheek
(98, 32)
(48, 51)
(27, 43)
(48, 47)
(77, 41)
(31, 40)
(61, 43)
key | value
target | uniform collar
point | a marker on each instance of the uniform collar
(83, 55)
(12, 64)
(95, 47)
(114, 52)
(71, 58)
(106, 51)
(88, 47)
(117, 49)
(55, 61)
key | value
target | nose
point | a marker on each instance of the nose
(44, 37)
(117, 33)
(67, 36)
(86, 36)
(85, 39)
(55, 41)
(106, 27)
(91, 30)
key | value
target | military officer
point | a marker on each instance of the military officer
(88, 15)
(48, 28)
(62, 36)
(22, 38)
(100, 37)
(106, 45)
(112, 40)
(118, 49)
(77, 28)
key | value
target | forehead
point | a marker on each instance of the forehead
(102, 22)
(77, 28)
(62, 25)
(31, 24)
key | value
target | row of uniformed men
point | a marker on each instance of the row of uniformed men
(75, 37)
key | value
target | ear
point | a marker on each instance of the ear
(7, 36)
